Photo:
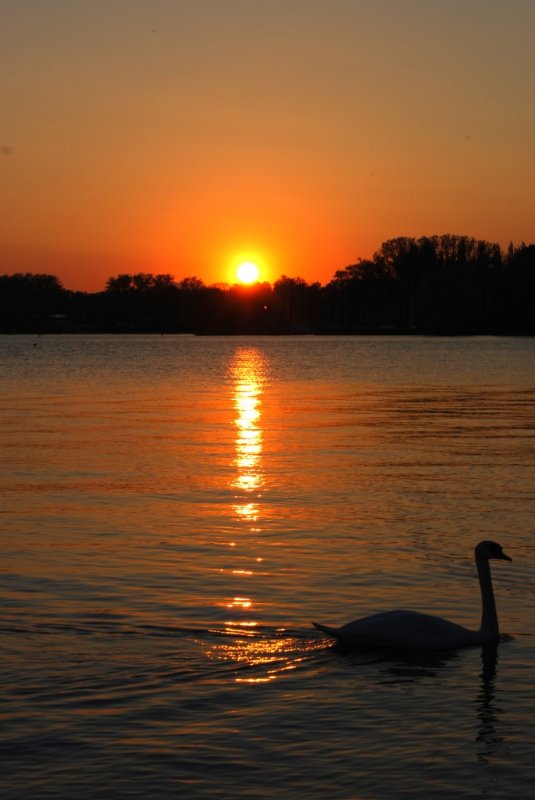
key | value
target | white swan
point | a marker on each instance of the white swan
(415, 631)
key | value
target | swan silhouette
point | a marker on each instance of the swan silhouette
(415, 631)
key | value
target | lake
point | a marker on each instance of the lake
(177, 509)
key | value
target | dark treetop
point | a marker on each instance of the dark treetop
(439, 285)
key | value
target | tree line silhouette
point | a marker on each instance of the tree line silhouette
(438, 285)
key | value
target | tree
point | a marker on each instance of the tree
(191, 284)
(27, 300)
(119, 284)
(517, 285)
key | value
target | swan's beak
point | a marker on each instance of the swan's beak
(503, 557)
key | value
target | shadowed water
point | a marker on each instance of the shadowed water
(175, 511)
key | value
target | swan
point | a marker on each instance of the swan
(415, 631)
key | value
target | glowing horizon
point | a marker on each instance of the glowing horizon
(150, 148)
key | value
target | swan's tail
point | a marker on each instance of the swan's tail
(326, 629)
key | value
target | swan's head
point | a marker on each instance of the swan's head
(488, 549)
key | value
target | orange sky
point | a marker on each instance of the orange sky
(184, 137)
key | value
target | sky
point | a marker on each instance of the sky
(187, 136)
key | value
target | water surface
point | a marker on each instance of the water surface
(175, 510)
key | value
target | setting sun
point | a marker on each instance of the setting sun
(248, 272)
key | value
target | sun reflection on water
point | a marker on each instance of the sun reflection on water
(257, 654)
(248, 371)
(258, 658)
(240, 602)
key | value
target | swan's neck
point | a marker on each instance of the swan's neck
(489, 619)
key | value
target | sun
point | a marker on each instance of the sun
(248, 272)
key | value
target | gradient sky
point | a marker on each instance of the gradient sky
(183, 136)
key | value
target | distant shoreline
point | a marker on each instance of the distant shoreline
(441, 286)
(280, 334)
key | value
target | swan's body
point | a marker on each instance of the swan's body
(415, 631)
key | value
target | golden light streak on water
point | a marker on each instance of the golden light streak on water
(248, 371)
(277, 655)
